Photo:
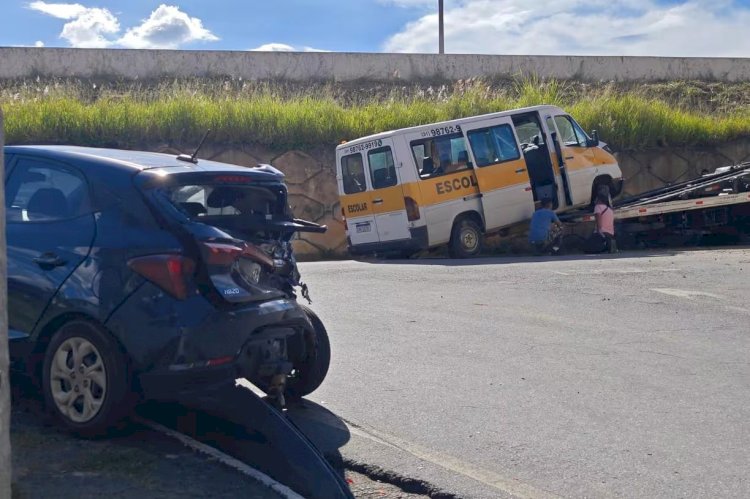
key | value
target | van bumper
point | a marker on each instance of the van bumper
(417, 242)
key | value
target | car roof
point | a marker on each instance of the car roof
(136, 161)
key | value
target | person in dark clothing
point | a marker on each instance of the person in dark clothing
(545, 230)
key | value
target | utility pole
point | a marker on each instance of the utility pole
(441, 33)
(4, 361)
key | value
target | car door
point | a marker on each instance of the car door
(356, 200)
(500, 171)
(49, 228)
(579, 159)
(388, 202)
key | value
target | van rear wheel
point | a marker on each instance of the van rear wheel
(466, 239)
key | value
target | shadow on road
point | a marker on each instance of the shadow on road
(506, 260)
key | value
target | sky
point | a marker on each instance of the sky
(691, 28)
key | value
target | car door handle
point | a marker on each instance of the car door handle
(49, 261)
(569, 157)
(377, 201)
(521, 170)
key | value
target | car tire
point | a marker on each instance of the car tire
(85, 379)
(311, 372)
(466, 239)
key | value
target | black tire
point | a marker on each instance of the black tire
(311, 372)
(600, 184)
(466, 239)
(114, 402)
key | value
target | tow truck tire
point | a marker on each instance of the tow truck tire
(313, 370)
(85, 379)
(466, 239)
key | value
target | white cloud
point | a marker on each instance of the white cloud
(86, 27)
(167, 28)
(91, 27)
(582, 27)
(283, 47)
(59, 10)
(39, 43)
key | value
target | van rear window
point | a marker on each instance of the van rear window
(353, 174)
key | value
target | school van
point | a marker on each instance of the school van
(406, 190)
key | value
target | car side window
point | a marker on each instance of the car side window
(382, 168)
(45, 191)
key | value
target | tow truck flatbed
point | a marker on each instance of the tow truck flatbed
(691, 195)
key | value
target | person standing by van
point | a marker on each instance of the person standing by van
(545, 229)
(605, 221)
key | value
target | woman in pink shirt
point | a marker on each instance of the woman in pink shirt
(605, 221)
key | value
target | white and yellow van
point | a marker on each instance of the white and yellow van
(450, 183)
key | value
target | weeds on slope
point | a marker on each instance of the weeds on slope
(286, 115)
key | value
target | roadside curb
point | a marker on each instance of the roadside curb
(224, 459)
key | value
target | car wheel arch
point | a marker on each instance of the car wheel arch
(46, 331)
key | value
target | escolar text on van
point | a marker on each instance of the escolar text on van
(406, 190)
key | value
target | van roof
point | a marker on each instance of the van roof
(390, 133)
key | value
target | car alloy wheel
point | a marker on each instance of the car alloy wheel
(78, 380)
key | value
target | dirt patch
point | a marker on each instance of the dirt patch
(140, 463)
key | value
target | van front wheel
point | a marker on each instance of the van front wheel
(466, 239)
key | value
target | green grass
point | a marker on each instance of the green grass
(284, 115)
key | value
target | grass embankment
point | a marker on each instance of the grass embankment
(132, 114)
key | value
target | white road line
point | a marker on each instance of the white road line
(511, 486)
(686, 293)
(226, 460)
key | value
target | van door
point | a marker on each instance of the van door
(388, 203)
(356, 200)
(500, 171)
(579, 159)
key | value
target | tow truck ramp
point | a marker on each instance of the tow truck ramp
(722, 197)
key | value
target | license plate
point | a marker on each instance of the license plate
(363, 228)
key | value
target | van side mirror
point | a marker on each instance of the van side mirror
(594, 141)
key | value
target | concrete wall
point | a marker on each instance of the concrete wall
(313, 194)
(18, 62)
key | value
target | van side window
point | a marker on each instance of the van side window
(382, 169)
(440, 155)
(353, 174)
(493, 145)
(571, 133)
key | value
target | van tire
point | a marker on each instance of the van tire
(598, 183)
(314, 368)
(466, 239)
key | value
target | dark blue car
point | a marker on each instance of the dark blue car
(135, 274)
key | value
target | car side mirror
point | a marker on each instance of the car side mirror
(470, 165)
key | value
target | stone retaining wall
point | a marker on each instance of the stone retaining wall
(30, 62)
(311, 178)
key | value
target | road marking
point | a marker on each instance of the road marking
(686, 293)
(511, 486)
(225, 459)
(690, 295)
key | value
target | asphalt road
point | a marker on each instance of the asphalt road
(622, 376)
